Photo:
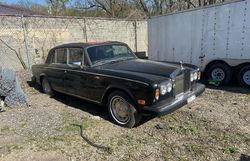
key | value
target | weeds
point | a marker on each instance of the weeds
(5, 129)
(230, 150)
(184, 129)
(11, 147)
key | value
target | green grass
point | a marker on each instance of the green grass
(230, 150)
(67, 133)
(184, 129)
(244, 137)
(22, 125)
(69, 120)
(5, 129)
(56, 138)
(11, 147)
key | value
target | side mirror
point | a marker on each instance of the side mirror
(83, 67)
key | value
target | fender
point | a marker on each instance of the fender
(190, 66)
(40, 76)
(117, 87)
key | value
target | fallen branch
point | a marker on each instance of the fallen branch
(107, 149)
(20, 59)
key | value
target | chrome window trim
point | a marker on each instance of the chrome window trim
(67, 50)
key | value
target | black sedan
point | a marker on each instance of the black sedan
(109, 73)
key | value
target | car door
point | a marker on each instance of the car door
(96, 84)
(56, 69)
(75, 77)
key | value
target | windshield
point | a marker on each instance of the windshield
(109, 53)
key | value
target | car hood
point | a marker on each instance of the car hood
(147, 67)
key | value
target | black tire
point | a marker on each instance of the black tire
(33, 79)
(133, 116)
(47, 87)
(244, 76)
(221, 71)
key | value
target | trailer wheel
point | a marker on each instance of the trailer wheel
(244, 76)
(220, 72)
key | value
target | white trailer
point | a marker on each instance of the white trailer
(215, 38)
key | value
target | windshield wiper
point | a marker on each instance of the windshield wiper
(121, 59)
(100, 62)
(108, 61)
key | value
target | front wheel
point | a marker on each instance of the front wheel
(122, 110)
(244, 76)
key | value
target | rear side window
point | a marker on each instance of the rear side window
(51, 57)
(75, 56)
(61, 56)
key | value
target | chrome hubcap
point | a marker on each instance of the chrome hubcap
(246, 77)
(218, 74)
(120, 110)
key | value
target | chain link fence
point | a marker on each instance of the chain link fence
(25, 41)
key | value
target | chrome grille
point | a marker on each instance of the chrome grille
(182, 83)
(179, 84)
(187, 83)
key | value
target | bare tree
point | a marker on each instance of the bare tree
(117, 8)
(56, 7)
(113, 8)
(158, 7)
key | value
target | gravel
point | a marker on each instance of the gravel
(216, 126)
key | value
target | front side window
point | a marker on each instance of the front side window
(109, 53)
(75, 56)
(61, 56)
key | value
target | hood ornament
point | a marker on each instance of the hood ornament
(181, 64)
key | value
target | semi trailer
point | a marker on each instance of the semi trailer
(215, 38)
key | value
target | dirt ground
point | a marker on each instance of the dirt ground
(216, 126)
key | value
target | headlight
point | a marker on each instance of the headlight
(165, 88)
(193, 76)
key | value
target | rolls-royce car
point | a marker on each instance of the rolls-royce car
(110, 74)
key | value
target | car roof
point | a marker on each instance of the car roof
(84, 45)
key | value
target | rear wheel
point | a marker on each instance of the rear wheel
(220, 72)
(122, 110)
(244, 76)
(46, 87)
